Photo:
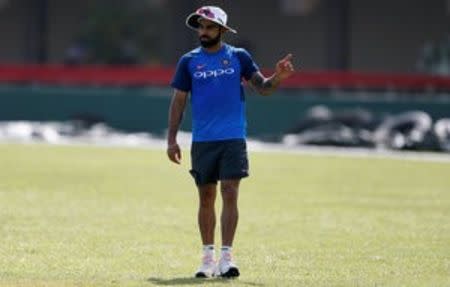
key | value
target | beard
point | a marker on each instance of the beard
(207, 42)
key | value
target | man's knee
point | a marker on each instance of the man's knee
(229, 190)
(207, 195)
(231, 185)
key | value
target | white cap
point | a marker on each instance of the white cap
(211, 13)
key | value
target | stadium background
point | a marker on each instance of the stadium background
(107, 61)
(360, 35)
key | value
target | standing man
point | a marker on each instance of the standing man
(212, 74)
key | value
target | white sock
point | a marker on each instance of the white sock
(208, 250)
(226, 249)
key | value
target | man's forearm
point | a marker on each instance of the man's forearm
(176, 111)
(265, 86)
(271, 84)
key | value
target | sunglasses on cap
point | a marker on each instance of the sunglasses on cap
(206, 12)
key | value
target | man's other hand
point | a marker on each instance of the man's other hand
(174, 153)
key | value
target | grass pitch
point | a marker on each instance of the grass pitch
(85, 216)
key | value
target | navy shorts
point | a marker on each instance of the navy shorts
(218, 160)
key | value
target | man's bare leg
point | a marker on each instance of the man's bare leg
(229, 220)
(206, 213)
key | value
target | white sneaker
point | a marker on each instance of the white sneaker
(208, 268)
(227, 268)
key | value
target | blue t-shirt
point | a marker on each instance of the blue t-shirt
(217, 96)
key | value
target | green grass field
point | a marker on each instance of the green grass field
(85, 216)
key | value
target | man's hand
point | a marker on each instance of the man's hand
(174, 153)
(265, 86)
(284, 68)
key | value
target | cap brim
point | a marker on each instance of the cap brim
(192, 22)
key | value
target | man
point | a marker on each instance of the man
(213, 74)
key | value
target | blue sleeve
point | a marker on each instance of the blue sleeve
(248, 66)
(182, 78)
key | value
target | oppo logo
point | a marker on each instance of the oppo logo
(213, 73)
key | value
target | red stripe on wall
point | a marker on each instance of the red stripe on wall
(135, 76)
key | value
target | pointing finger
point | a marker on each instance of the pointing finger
(288, 57)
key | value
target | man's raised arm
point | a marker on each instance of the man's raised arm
(265, 86)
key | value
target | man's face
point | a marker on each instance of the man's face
(209, 33)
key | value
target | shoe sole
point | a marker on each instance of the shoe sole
(231, 273)
(202, 275)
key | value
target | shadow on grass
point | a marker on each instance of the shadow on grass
(199, 281)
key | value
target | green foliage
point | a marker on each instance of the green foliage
(84, 216)
(123, 32)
